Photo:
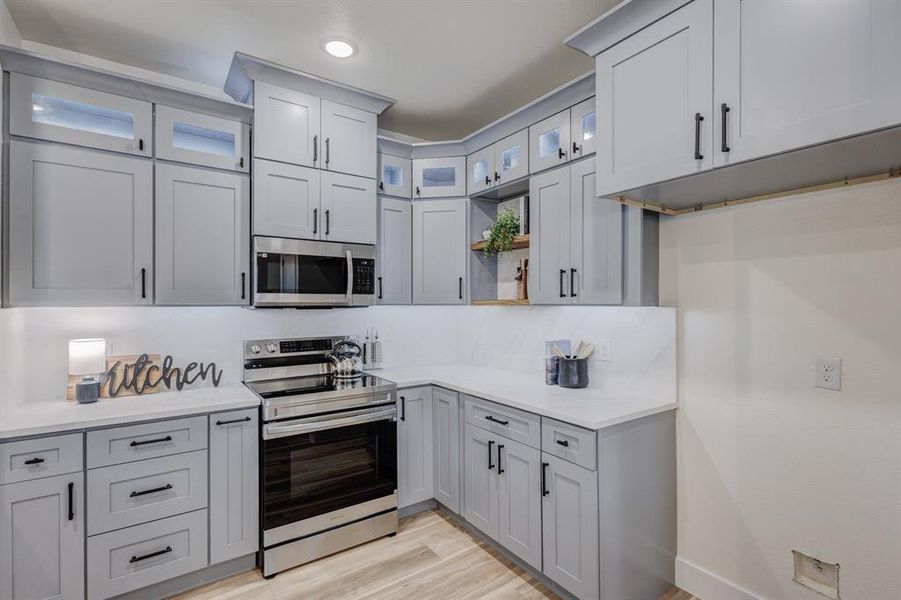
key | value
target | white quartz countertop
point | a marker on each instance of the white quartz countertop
(586, 407)
(36, 418)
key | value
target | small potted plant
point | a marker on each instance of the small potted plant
(500, 236)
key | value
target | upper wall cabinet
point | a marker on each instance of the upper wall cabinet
(439, 177)
(480, 170)
(498, 163)
(439, 252)
(50, 110)
(285, 200)
(654, 93)
(583, 128)
(395, 174)
(349, 207)
(349, 138)
(549, 142)
(193, 138)
(286, 125)
(795, 73)
(80, 227)
(394, 278)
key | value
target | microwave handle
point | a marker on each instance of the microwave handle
(350, 276)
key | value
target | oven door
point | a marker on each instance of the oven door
(302, 273)
(328, 470)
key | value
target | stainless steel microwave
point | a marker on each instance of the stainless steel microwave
(292, 273)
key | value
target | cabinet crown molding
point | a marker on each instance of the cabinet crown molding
(618, 23)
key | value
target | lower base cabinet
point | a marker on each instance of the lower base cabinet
(42, 539)
(446, 447)
(414, 445)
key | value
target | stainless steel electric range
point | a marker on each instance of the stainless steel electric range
(328, 472)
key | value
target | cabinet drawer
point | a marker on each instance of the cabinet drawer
(41, 457)
(124, 495)
(570, 443)
(151, 440)
(132, 558)
(510, 422)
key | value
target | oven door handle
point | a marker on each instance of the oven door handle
(350, 275)
(276, 430)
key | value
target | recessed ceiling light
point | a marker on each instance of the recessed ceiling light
(339, 48)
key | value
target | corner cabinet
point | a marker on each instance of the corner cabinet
(440, 248)
(42, 539)
(80, 227)
(202, 236)
(395, 175)
(500, 163)
(439, 177)
(414, 445)
(394, 267)
(446, 447)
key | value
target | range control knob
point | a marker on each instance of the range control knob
(255, 349)
(271, 348)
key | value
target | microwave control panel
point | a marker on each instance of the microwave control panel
(364, 277)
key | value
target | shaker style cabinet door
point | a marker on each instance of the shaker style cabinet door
(519, 498)
(439, 177)
(549, 226)
(286, 126)
(439, 252)
(480, 505)
(395, 175)
(196, 139)
(349, 208)
(285, 200)
(549, 142)
(446, 442)
(394, 279)
(795, 73)
(42, 539)
(60, 112)
(349, 140)
(654, 93)
(202, 236)
(584, 128)
(414, 445)
(480, 170)
(80, 227)
(511, 157)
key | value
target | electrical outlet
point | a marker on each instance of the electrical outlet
(828, 374)
(603, 349)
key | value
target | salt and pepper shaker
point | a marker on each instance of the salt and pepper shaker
(377, 350)
(372, 349)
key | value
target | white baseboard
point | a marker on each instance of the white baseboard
(707, 586)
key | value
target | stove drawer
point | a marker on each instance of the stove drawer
(150, 440)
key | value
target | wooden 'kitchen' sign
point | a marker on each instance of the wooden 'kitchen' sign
(136, 374)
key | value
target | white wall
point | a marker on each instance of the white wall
(9, 33)
(767, 463)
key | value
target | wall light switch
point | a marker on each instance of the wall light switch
(603, 349)
(828, 374)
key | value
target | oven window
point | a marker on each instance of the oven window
(315, 473)
(293, 274)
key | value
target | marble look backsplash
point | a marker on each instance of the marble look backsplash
(33, 349)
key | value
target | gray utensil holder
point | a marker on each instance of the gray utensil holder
(572, 372)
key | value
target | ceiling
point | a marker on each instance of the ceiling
(452, 65)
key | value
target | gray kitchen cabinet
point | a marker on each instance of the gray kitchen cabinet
(80, 227)
(480, 490)
(570, 526)
(395, 175)
(414, 445)
(511, 157)
(197, 139)
(394, 267)
(285, 200)
(234, 484)
(439, 177)
(202, 236)
(349, 139)
(576, 254)
(440, 248)
(519, 500)
(348, 208)
(42, 539)
(446, 447)
(480, 170)
(549, 142)
(60, 112)
(651, 136)
(286, 126)
(583, 128)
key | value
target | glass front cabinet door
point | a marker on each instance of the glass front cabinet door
(439, 177)
(549, 142)
(480, 170)
(193, 138)
(583, 124)
(59, 112)
(511, 157)
(394, 176)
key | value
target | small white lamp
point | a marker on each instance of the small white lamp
(87, 358)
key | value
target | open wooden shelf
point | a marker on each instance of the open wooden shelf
(519, 242)
(500, 302)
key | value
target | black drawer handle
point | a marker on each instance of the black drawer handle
(490, 444)
(544, 490)
(168, 486)
(380, 287)
(244, 420)
(498, 421)
(135, 444)
(135, 559)
(71, 494)
(499, 468)
(724, 108)
(698, 119)
(563, 443)
(403, 408)
(34, 461)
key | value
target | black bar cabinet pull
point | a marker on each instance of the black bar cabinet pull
(34, 461)
(572, 283)
(698, 119)
(241, 162)
(380, 287)
(381, 186)
(143, 283)
(326, 221)
(724, 109)
(327, 150)
(544, 490)
(561, 153)
(497, 177)
(243, 286)
(575, 148)
(461, 288)
(315, 148)
(499, 468)
(490, 444)
(163, 488)
(563, 443)
(233, 421)
(141, 144)
(403, 408)
(135, 443)
(71, 494)
(135, 559)
(498, 421)
(487, 180)
(562, 277)
(418, 193)
(315, 220)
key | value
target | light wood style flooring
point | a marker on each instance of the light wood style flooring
(431, 557)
